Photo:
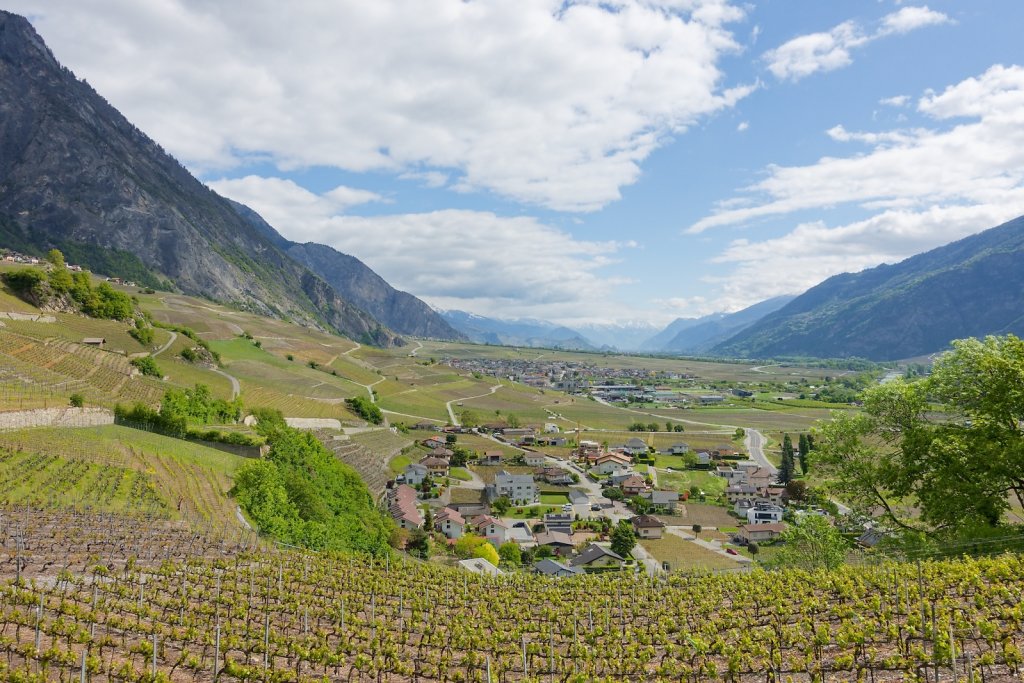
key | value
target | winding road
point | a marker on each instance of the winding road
(174, 337)
(754, 442)
(236, 389)
(451, 413)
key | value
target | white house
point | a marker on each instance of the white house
(764, 513)
(521, 489)
(414, 474)
(612, 463)
(551, 428)
(450, 523)
(534, 459)
(494, 530)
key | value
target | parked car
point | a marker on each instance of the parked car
(731, 551)
(595, 508)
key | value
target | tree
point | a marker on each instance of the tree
(943, 473)
(804, 448)
(60, 278)
(512, 421)
(55, 257)
(486, 551)
(467, 545)
(501, 505)
(740, 433)
(668, 426)
(787, 468)
(418, 544)
(811, 543)
(697, 528)
(77, 400)
(678, 428)
(510, 554)
(797, 490)
(623, 538)
(652, 426)
(613, 493)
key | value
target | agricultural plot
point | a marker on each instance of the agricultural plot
(415, 403)
(371, 466)
(118, 469)
(382, 442)
(296, 616)
(686, 556)
(712, 485)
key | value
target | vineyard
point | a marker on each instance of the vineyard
(142, 600)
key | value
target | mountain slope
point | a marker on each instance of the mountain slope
(972, 287)
(520, 332)
(718, 327)
(658, 341)
(75, 173)
(352, 279)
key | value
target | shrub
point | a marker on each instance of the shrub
(142, 334)
(76, 400)
(147, 366)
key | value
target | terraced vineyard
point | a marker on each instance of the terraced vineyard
(219, 612)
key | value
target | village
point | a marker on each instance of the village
(584, 507)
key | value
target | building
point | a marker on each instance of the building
(558, 522)
(521, 489)
(560, 544)
(549, 567)
(737, 492)
(611, 463)
(534, 459)
(635, 446)
(414, 474)
(555, 476)
(437, 467)
(647, 526)
(494, 530)
(450, 523)
(731, 475)
(662, 501)
(757, 533)
(598, 557)
(764, 512)
(479, 566)
(633, 486)
(403, 507)
(492, 458)
(678, 448)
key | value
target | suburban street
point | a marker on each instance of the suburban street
(754, 442)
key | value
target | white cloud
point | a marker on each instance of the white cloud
(972, 162)
(471, 260)
(895, 101)
(743, 126)
(830, 50)
(545, 102)
(909, 19)
(921, 188)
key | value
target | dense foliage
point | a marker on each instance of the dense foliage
(366, 409)
(302, 495)
(147, 366)
(938, 472)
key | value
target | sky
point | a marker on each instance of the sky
(622, 162)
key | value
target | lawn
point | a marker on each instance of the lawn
(712, 485)
(551, 498)
(460, 473)
(683, 555)
(399, 463)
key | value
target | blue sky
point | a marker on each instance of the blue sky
(622, 161)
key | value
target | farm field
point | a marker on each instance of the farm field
(118, 469)
(712, 485)
(687, 556)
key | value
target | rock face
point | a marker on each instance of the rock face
(75, 172)
(352, 279)
(970, 288)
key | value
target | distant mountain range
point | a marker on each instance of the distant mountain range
(972, 287)
(699, 335)
(76, 175)
(518, 332)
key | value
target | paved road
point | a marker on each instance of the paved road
(451, 413)
(236, 389)
(755, 446)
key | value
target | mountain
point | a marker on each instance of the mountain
(75, 174)
(657, 342)
(717, 327)
(517, 332)
(972, 287)
(619, 337)
(352, 279)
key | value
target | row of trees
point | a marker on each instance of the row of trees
(41, 289)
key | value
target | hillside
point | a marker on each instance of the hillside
(77, 175)
(710, 330)
(352, 279)
(972, 287)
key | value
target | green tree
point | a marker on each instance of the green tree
(501, 505)
(739, 433)
(937, 473)
(512, 421)
(804, 449)
(811, 543)
(77, 400)
(60, 277)
(668, 426)
(787, 467)
(418, 544)
(510, 554)
(56, 258)
(678, 428)
(623, 538)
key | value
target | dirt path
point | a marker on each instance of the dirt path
(451, 413)
(174, 337)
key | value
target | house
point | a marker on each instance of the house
(450, 523)
(426, 426)
(558, 522)
(479, 566)
(558, 441)
(662, 501)
(741, 506)
(587, 449)
(554, 475)
(703, 457)
(761, 532)
(435, 442)
(678, 448)
(611, 463)
(519, 434)
(731, 475)
(578, 497)
(725, 449)
(760, 477)
(403, 508)
(551, 428)
(534, 459)
(492, 458)
(635, 446)
(596, 556)
(94, 341)
(764, 512)
(443, 453)
(774, 494)
(549, 567)
(711, 399)
(521, 489)
(738, 492)
(633, 486)
(647, 526)
(437, 467)
(414, 474)
(560, 543)
(494, 530)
